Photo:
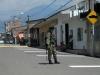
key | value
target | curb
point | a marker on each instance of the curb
(12, 46)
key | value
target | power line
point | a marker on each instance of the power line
(49, 5)
(45, 7)
(57, 10)
(65, 4)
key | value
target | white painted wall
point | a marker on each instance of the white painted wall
(74, 24)
(61, 19)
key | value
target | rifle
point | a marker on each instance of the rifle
(46, 51)
(46, 47)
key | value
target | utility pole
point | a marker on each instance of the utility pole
(92, 26)
(5, 33)
(28, 30)
(13, 31)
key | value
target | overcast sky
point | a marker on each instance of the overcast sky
(13, 7)
(9, 8)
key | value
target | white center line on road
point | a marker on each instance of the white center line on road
(27, 49)
(63, 55)
(85, 66)
(31, 49)
(34, 51)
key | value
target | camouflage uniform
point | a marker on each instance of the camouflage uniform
(50, 41)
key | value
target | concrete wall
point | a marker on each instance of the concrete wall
(61, 33)
(97, 38)
(74, 24)
(42, 33)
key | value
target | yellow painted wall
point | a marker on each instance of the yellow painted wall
(43, 29)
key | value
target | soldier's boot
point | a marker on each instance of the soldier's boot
(50, 62)
(55, 59)
(56, 62)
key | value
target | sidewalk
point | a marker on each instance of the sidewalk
(11, 45)
(78, 51)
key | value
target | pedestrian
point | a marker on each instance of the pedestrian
(50, 42)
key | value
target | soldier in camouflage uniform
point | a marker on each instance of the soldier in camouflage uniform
(50, 41)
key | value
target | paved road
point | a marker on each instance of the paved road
(32, 61)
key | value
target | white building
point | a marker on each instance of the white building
(70, 24)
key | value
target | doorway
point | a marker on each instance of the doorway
(66, 35)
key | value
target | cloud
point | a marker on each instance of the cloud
(20, 5)
(14, 7)
(8, 7)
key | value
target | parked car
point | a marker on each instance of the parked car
(1, 41)
(11, 41)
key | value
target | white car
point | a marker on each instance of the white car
(1, 41)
